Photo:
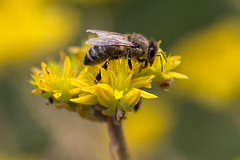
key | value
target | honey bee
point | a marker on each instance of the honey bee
(112, 45)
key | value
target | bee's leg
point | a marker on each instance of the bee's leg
(106, 64)
(161, 62)
(145, 63)
(143, 60)
(129, 58)
(161, 52)
(98, 77)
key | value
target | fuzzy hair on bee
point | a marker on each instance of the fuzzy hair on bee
(112, 45)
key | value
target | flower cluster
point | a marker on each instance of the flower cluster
(71, 85)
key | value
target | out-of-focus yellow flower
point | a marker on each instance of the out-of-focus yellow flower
(149, 127)
(28, 26)
(211, 58)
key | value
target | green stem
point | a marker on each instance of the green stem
(117, 139)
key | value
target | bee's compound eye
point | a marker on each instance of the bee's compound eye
(151, 52)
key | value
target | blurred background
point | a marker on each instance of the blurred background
(198, 119)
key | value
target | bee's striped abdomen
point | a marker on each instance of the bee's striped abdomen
(94, 56)
(99, 54)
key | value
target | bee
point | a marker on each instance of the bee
(112, 45)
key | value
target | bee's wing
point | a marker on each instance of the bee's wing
(109, 41)
(103, 33)
(109, 38)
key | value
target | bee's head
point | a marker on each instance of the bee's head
(152, 51)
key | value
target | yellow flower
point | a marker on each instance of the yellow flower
(119, 90)
(169, 64)
(117, 87)
(162, 70)
(55, 80)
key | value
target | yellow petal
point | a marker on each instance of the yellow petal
(57, 94)
(127, 81)
(105, 95)
(153, 69)
(104, 75)
(74, 91)
(118, 94)
(37, 91)
(175, 58)
(90, 89)
(44, 87)
(36, 70)
(78, 83)
(130, 99)
(43, 66)
(119, 79)
(142, 82)
(164, 75)
(67, 66)
(177, 75)
(88, 99)
(174, 62)
(147, 95)
(113, 77)
(83, 73)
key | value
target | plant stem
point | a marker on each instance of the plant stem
(117, 141)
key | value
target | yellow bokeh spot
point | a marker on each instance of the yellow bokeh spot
(31, 25)
(149, 126)
(18, 157)
(211, 60)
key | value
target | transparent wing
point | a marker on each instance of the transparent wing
(104, 33)
(108, 39)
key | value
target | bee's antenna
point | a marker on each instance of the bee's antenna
(159, 42)
(161, 61)
(163, 55)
